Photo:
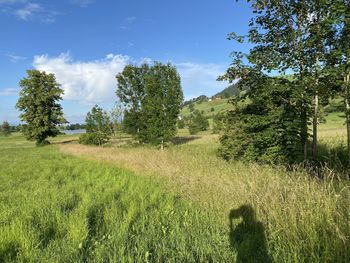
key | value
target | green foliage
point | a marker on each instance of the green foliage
(90, 139)
(98, 127)
(181, 123)
(73, 127)
(219, 120)
(265, 129)
(197, 122)
(117, 119)
(152, 96)
(131, 91)
(5, 129)
(191, 107)
(38, 101)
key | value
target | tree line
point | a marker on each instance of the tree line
(6, 129)
(150, 98)
(300, 59)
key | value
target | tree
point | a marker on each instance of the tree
(291, 36)
(38, 101)
(198, 122)
(131, 92)
(339, 59)
(264, 125)
(5, 128)
(117, 119)
(219, 120)
(98, 129)
(279, 32)
(162, 103)
(191, 106)
(153, 97)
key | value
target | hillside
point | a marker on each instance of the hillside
(228, 92)
(210, 107)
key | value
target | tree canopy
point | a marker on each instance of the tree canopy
(152, 96)
(39, 102)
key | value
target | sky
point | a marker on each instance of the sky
(85, 43)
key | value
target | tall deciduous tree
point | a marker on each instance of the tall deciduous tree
(39, 103)
(340, 55)
(131, 92)
(279, 32)
(291, 36)
(162, 102)
(152, 96)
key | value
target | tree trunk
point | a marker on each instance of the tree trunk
(304, 131)
(347, 111)
(315, 122)
(162, 145)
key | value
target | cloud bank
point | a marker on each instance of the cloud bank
(94, 81)
(90, 82)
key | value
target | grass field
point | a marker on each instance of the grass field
(123, 203)
(56, 208)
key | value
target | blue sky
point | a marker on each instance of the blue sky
(87, 42)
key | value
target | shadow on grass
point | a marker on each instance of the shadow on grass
(183, 140)
(248, 237)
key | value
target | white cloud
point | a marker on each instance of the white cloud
(14, 58)
(198, 79)
(28, 11)
(35, 11)
(9, 92)
(88, 82)
(94, 81)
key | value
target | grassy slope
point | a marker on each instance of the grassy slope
(217, 104)
(56, 208)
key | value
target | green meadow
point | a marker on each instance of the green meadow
(57, 208)
(127, 203)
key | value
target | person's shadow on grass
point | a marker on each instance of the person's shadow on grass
(248, 237)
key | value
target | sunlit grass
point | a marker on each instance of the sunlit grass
(127, 203)
(56, 208)
(305, 219)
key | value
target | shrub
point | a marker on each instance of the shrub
(94, 138)
(198, 122)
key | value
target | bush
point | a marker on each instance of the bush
(94, 138)
(267, 129)
(98, 129)
(198, 122)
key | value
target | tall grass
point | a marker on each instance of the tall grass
(56, 208)
(305, 219)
